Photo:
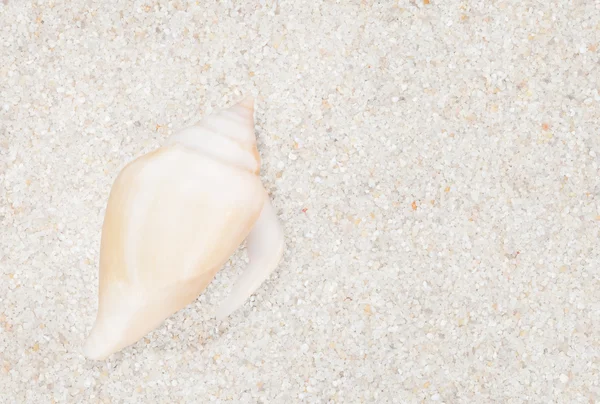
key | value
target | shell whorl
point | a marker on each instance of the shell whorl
(227, 136)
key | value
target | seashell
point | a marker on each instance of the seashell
(173, 218)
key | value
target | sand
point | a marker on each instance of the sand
(434, 163)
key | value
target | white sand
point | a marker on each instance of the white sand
(435, 166)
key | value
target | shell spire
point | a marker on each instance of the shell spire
(173, 218)
(228, 135)
(243, 112)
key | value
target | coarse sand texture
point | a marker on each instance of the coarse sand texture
(434, 165)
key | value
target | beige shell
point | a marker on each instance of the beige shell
(174, 217)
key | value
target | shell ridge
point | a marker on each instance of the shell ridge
(213, 157)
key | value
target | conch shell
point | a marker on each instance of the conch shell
(173, 219)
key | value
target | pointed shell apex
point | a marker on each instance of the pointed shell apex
(248, 103)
